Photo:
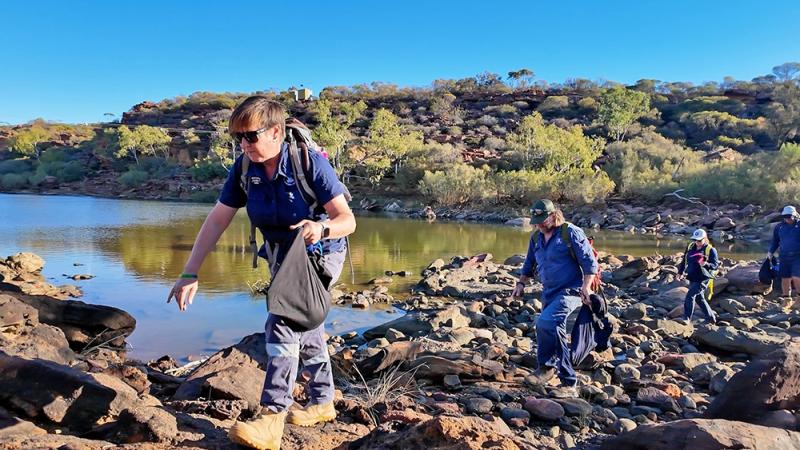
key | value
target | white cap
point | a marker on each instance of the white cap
(789, 211)
(699, 234)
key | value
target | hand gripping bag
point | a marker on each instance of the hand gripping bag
(299, 290)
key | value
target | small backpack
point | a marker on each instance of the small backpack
(298, 136)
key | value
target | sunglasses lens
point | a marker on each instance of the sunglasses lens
(251, 136)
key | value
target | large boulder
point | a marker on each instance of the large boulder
(669, 299)
(25, 263)
(704, 434)
(745, 279)
(83, 323)
(233, 373)
(769, 383)
(632, 270)
(452, 317)
(409, 325)
(44, 389)
(729, 339)
(142, 424)
(23, 335)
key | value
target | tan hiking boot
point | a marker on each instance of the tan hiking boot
(541, 376)
(264, 433)
(785, 302)
(312, 415)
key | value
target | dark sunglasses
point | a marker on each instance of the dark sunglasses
(249, 136)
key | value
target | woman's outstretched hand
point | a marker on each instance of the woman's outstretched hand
(183, 291)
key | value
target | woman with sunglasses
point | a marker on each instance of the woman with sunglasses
(277, 206)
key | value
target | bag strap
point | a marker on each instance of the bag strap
(244, 183)
(565, 237)
(300, 170)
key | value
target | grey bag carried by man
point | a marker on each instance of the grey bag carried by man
(299, 290)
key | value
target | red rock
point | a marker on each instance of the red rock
(704, 434)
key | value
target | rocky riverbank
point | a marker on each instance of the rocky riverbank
(451, 373)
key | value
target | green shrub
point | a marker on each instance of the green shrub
(133, 178)
(12, 181)
(455, 131)
(65, 171)
(53, 155)
(765, 178)
(553, 103)
(207, 169)
(72, 171)
(650, 165)
(430, 157)
(488, 120)
(588, 105)
(15, 166)
(158, 168)
(37, 178)
(459, 186)
(523, 187)
(788, 191)
(586, 186)
(501, 110)
(705, 125)
(494, 143)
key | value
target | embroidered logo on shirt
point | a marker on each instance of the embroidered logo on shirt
(255, 180)
(291, 196)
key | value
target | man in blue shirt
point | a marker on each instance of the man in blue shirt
(566, 270)
(786, 238)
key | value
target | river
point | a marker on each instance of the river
(136, 248)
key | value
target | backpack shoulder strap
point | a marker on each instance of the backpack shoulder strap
(300, 170)
(299, 139)
(565, 237)
(244, 182)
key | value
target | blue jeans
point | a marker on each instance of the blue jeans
(697, 294)
(287, 348)
(552, 337)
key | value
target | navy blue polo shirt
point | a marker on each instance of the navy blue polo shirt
(557, 269)
(787, 238)
(274, 205)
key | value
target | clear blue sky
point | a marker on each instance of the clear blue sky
(73, 61)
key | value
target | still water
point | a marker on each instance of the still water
(136, 248)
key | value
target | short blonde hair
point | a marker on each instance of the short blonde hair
(258, 111)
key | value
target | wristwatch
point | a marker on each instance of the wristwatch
(326, 231)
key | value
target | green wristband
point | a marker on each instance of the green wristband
(189, 276)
